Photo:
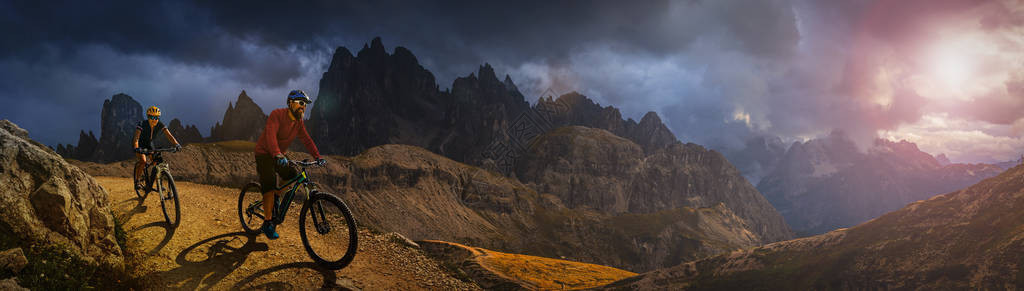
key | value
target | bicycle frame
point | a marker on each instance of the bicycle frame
(159, 168)
(280, 209)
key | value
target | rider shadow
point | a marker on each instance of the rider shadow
(168, 234)
(247, 284)
(139, 207)
(211, 260)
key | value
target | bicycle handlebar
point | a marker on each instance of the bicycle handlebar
(306, 163)
(147, 151)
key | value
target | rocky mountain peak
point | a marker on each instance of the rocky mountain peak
(243, 121)
(374, 52)
(650, 119)
(511, 86)
(486, 73)
(118, 118)
(812, 175)
(342, 58)
(943, 160)
(185, 134)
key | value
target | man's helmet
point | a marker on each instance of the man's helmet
(153, 111)
(299, 95)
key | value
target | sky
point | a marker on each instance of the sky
(944, 74)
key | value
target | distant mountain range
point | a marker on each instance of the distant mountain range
(828, 183)
(969, 239)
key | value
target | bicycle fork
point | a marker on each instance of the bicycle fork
(320, 218)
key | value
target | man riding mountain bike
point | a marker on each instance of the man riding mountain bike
(145, 132)
(283, 125)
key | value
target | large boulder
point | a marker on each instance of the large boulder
(45, 200)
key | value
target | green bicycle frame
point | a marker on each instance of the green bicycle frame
(280, 209)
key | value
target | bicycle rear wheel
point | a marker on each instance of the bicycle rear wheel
(328, 231)
(168, 194)
(250, 208)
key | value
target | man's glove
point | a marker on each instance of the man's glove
(177, 147)
(321, 162)
(282, 160)
(138, 150)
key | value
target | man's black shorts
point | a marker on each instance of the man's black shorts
(266, 165)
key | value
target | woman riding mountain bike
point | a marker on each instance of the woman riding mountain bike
(152, 174)
(145, 132)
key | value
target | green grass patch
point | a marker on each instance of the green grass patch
(120, 235)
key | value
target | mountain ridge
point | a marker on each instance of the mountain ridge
(966, 239)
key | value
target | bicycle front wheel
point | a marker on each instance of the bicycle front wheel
(139, 181)
(250, 208)
(328, 231)
(168, 194)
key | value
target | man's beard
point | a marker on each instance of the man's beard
(297, 113)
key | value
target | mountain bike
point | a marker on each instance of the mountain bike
(157, 173)
(325, 221)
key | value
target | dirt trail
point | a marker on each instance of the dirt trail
(209, 251)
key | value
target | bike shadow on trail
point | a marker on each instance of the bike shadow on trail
(168, 234)
(249, 283)
(139, 207)
(207, 262)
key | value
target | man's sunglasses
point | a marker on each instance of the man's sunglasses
(151, 117)
(299, 102)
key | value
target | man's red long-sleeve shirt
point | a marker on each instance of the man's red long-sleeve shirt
(280, 131)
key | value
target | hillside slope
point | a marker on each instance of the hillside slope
(424, 196)
(968, 239)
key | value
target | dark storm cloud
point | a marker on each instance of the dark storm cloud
(716, 71)
(249, 44)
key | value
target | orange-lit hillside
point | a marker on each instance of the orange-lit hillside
(491, 268)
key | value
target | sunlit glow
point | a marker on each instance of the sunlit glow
(953, 69)
(952, 66)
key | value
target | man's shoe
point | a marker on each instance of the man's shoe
(268, 230)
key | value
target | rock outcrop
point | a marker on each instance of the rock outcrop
(593, 169)
(376, 98)
(242, 121)
(969, 239)
(45, 200)
(827, 183)
(184, 134)
(83, 151)
(575, 109)
(118, 118)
